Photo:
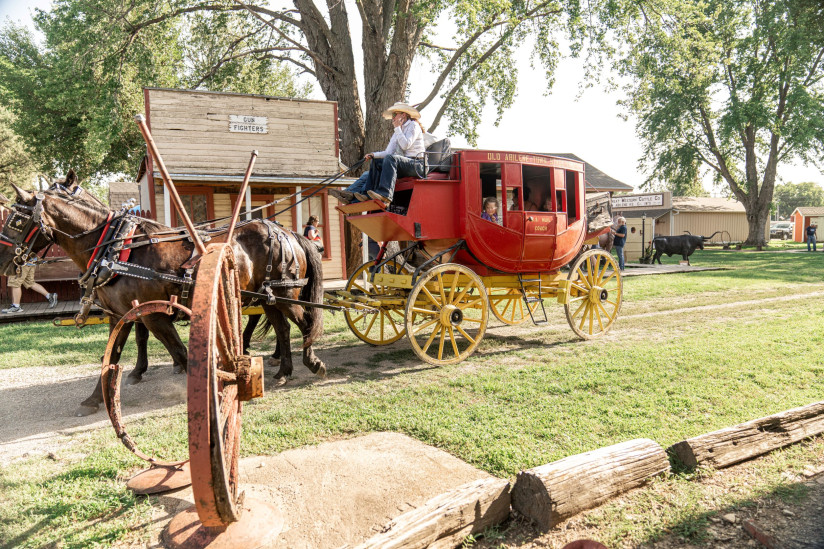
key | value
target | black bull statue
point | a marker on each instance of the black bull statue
(684, 244)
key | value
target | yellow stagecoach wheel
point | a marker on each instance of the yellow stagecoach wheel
(594, 294)
(387, 325)
(508, 304)
(446, 314)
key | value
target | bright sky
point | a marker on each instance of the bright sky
(589, 126)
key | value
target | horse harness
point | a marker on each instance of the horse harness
(111, 254)
(20, 231)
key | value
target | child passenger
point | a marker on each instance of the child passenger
(490, 212)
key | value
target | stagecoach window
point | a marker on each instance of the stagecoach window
(512, 199)
(572, 195)
(491, 186)
(537, 188)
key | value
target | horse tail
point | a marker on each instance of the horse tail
(313, 290)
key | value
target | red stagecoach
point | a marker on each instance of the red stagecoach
(473, 265)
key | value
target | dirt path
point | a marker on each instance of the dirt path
(43, 399)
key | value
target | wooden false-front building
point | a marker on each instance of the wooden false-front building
(206, 139)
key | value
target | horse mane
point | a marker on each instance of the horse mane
(95, 205)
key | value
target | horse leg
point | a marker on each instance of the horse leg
(92, 404)
(310, 360)
(141, 338)
(281, 326)
(251, 324)
(163, 328)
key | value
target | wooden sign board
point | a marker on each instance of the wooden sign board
(248, 124)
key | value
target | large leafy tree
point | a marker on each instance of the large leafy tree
(727, 87)
(16, 165)
(790, 196)
(75, 94)
(219, 44)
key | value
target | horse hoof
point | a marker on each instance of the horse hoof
(321, 370)
(280, 381)
(178, 370)
(133, 380)
(83, 410)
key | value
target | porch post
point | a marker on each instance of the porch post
(167, 206)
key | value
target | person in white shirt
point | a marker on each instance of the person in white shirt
(403, 157)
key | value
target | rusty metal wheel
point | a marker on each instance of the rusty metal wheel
(215, 347)
(162, 476)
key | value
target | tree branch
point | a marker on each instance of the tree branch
(315, 57)
(462, 80)
(722, 163)
(434, 47)
(466, 45)
(225, 60)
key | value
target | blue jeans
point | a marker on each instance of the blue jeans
(619, 250)
(367, 178)
(393, 167)
(811, 240)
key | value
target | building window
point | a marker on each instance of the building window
(197, 203)
(317, 205)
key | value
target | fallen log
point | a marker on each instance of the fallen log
(745, 441)
(554, 492)
(445, 521)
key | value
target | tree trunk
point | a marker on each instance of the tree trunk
(757, 218)
(386, 73)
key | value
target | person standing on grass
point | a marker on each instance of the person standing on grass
(810, 231)
(25, 278)
(620, 239)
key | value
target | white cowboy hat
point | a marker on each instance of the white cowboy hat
(401, 107)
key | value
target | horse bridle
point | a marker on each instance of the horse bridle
(20, 230)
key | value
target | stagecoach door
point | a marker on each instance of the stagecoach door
(540, 214)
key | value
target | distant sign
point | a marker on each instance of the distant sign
(248, 124)
(619, 202)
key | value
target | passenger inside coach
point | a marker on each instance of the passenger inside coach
(490, 209)
(529, 205)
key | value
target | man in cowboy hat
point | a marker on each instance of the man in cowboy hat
(403, 157)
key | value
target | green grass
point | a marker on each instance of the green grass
(53, 346)
(527, 397)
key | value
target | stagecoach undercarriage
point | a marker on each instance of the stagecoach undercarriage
(443, 310)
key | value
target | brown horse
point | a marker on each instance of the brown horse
(76, 222)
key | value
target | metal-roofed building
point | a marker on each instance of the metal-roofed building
(596, 180)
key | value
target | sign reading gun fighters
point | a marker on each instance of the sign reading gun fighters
(248, 124)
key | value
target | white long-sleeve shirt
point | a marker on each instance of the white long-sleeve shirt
(407, 140)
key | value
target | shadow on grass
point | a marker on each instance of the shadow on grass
(92, 523)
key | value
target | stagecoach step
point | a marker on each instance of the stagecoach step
(531, 299)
